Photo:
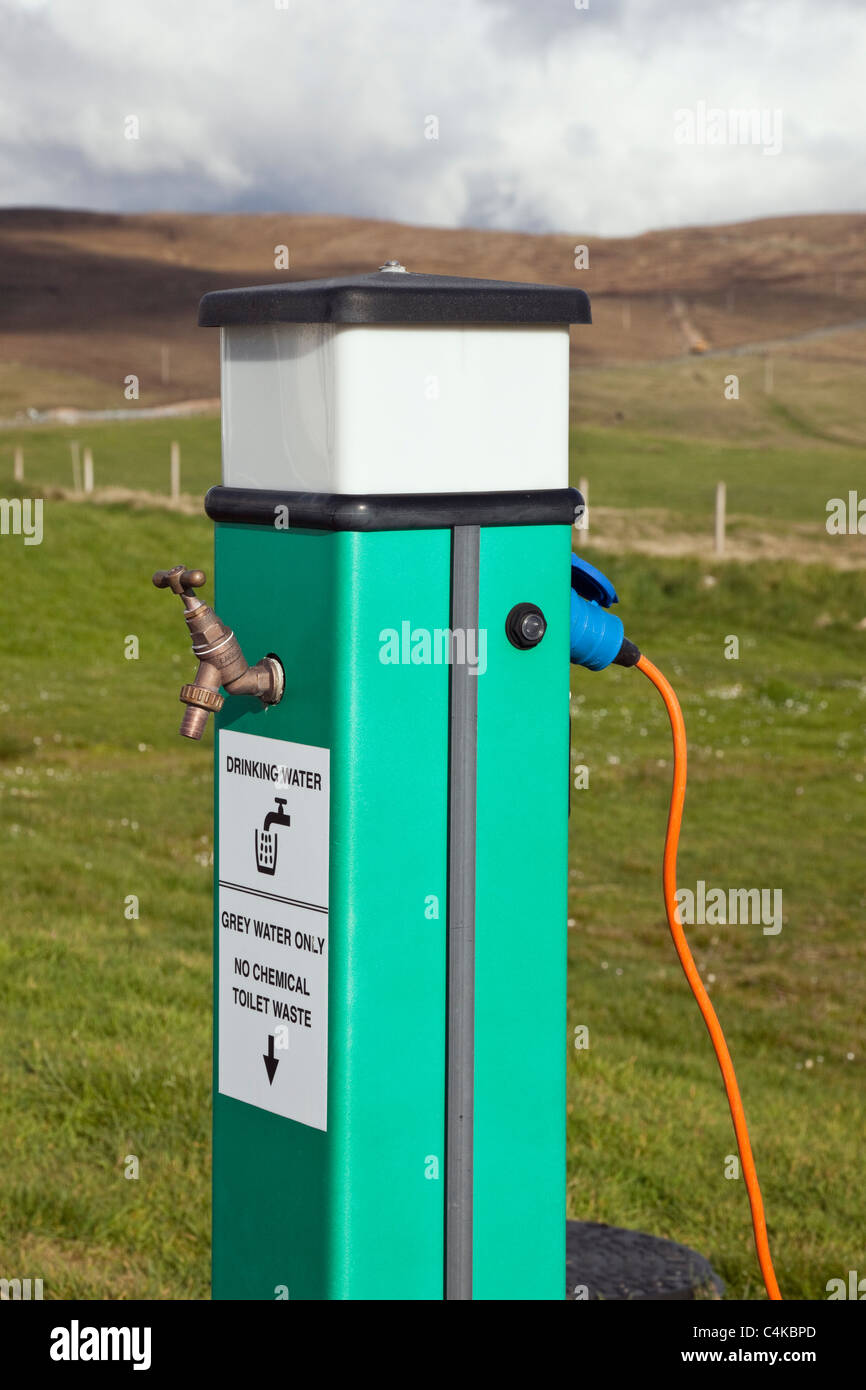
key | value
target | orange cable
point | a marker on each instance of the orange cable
(723, 1056)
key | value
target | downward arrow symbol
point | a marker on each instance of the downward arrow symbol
(271, 1062)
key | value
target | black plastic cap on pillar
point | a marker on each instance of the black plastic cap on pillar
(395, 296)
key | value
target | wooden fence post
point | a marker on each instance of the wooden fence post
(721, 492)
(175, 471)
(76, 465)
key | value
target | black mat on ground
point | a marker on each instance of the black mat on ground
(605, 1262)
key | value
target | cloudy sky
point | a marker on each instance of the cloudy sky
(548, 116)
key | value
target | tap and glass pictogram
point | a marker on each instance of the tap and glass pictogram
(266, 838)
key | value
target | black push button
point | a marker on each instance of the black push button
(525, 625)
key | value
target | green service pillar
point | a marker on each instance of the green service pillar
(394, 526)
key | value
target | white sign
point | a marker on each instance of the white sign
(274, 801)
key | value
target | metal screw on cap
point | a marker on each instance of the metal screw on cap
(394, 265)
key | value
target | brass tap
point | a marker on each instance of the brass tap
(220, 659)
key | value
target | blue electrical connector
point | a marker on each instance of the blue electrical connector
(597, 636)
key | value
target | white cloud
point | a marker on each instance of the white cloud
(549, 117)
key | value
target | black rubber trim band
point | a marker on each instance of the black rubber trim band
(416, 511)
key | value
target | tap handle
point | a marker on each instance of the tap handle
(180, 580)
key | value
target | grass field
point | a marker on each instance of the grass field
(133, 454)
(106, 1033)
(106, 1021)
(812, 400)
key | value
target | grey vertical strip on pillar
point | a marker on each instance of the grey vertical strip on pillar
(461, 921)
